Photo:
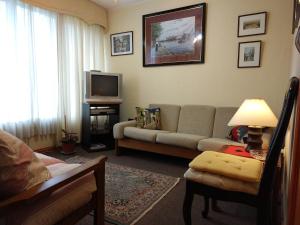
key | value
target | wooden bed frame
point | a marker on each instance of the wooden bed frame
(43, 190)
(155, 148)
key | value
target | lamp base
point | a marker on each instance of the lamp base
(254, 139)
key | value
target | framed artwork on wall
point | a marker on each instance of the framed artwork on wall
(249, 54)
(296, 14)
(121, 43)
(252, 24)
(174, 36)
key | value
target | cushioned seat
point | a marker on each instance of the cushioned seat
(59, 204)
(223, 182)
(142, 134)
(232, 166)
(216, 144)
(228, 172)
(179, 139)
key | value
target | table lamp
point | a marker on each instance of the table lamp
(256, 114)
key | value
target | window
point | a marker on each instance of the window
(28, 69)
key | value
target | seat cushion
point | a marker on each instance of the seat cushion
(231, 166)
(219, 181)
(59, 204)
(179, 139)
(142, 134)
(222, 117)
(196, 119)
(216, 144)
(169, 115)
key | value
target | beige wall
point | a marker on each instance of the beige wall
(218, 81)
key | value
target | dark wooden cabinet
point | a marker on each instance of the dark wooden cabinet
(97, 125)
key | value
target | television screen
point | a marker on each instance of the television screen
(102, 85)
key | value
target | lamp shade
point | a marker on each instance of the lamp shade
(254, 112)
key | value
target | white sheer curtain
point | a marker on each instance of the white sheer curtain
(42, 59)
(28, 69)
(81, 48)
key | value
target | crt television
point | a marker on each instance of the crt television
(100, 87)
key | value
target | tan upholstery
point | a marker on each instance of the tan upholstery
(169, 115)
(215, 144)
(179, 139)
(118, 129)
(59, 204)
(196, 119)
(222, 182)
(142, 134)
(232, 166)
(222, 117)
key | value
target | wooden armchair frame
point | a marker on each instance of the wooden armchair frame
(263, 200)
(43, 190)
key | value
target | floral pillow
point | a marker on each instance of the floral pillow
(148, 118)
(20, 169)
(239, 134)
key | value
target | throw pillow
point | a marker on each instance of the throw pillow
(238, 134)
(20, 169)
(148, 118)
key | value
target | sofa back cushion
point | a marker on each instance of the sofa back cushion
(222, 117)
(196, 119)
(169, 115)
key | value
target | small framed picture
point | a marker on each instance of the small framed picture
(252, 24)
(121, 43)
(249, 54)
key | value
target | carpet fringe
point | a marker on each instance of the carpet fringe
(154, 203)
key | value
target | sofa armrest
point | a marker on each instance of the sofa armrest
(119, 128)
(46, 188)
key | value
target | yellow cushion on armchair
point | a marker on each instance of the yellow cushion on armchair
(227, 165)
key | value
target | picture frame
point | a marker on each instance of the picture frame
(121, 43)
(297, 40)
(252, 24)
(174, 37)
(296, 15)
(249, 54)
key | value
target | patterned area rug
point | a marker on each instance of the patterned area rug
(130, 193)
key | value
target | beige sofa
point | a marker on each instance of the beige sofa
(185, 132)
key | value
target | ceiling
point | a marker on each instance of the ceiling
(109, 4)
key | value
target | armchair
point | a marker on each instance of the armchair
(256, 193)
(72, 192)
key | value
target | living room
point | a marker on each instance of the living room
(54, 42)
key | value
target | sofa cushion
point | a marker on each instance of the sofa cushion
(20, 169)
(196, 119)
(169, 115)
(142, 134)
(216, 144)
(232, 166)
(222, 117)
(148, 118)
(219, 181)
(238, 134)
(179, 139)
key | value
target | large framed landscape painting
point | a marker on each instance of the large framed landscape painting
(174, 36)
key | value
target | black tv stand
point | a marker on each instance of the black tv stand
(97, 125)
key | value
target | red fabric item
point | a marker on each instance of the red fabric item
(237, 150)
